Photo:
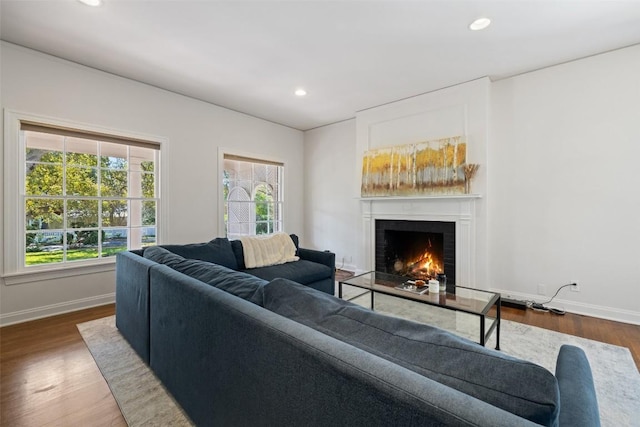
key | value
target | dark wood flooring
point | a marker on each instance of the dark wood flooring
(49, 378)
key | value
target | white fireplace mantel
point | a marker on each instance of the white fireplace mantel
(459, 209)
(433, 197)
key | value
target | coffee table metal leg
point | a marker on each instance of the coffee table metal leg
(340, 290)
(372, 306)
(482, 330)
(499, 304)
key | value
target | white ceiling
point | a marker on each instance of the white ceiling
(250, 56)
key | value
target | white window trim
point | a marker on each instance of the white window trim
(250, 155)
(13, 271)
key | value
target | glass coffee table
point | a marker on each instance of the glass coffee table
(467, 300)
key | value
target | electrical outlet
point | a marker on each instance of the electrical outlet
(575, 288)
(542, 289)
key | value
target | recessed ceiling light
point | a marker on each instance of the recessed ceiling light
(480, 24)
(91, 2)
(300, 92)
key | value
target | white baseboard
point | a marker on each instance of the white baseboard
(602, 312)
(54, 309)
(347, 267)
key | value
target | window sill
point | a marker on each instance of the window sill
(50, 274)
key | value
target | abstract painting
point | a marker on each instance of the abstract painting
(422, 168)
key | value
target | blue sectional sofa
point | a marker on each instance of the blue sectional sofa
(315, 269)
(238, 350)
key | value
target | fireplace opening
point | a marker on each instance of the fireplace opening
(416, 249)
(414, 254)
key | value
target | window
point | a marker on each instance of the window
(253, 201)
(85, 196)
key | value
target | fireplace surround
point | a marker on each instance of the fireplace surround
(458, 210)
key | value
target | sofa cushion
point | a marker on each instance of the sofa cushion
(239, 284)
(217, 251)
(301, 271)
(520, 387)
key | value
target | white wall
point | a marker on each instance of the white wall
(560, 183)
(563, 184)
(43, 85)
(331, 210)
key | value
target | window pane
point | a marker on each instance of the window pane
(142, 236)
(81, 152)
(142, 184)
(44, 247)
(43, 180)
(114, 213)
(143, 213)
(262, 228)
(81, 181)
(113, 183)
(43, 147)
(142, 159)
(114, 241)
(148, 166)
(148, 185)
(82, 213)
(148, 213)
(272, 176)
(42, 214)
(113, 156)
(264, 211)
(260, 173)
(84, 246)
(149, 236)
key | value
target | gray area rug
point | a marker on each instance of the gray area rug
(142, 398)
(144, 401)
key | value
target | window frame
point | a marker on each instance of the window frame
(14, 270)
(238, 155)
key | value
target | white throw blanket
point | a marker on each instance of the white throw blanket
(271, 249)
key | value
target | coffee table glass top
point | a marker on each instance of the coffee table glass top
(464, 299)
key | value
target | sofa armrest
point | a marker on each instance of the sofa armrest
(321, 257)
(132, 300)
(578, 403)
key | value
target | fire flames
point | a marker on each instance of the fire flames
(424, 267)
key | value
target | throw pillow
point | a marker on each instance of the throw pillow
(217, 251)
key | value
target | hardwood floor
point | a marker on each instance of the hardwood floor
(49, 378)
(607, 331)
